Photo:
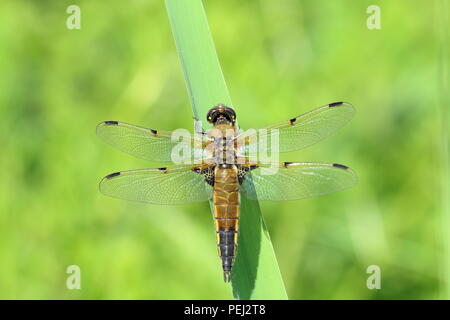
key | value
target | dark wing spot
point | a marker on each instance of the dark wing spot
(163, 169)
(335, 104)
(112, 175)
(253, 167)
(292, 121)
(197, 170)
(340, 166)
(286, 164)
(154, 131)
(111, 123)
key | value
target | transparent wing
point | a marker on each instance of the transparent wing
(296, 180)
(166, 186)
(299, 132)
(147, 144)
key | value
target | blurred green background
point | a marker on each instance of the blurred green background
(280, 59)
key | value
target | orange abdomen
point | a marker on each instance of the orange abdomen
(226, 214)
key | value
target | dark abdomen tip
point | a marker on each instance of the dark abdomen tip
(227, 276)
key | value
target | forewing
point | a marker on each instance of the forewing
(143, 143)
(164, 186)
(299, 132)
(295, 180)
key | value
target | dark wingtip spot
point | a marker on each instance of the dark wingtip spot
(163, 169)
(111, 123)
(154, 131)
(286, 164)
(292, 121)
(335, 104)
(112, 175)
(340, 166)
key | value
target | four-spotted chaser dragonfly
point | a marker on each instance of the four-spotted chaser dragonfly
(229, 169)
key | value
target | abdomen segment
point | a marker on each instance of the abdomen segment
(226, 215)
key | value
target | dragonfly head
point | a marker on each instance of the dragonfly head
(221, 114)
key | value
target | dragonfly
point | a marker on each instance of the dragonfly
(230, 168)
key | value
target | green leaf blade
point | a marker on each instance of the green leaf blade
(256, 274)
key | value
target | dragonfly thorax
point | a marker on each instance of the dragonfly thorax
(223, 143)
